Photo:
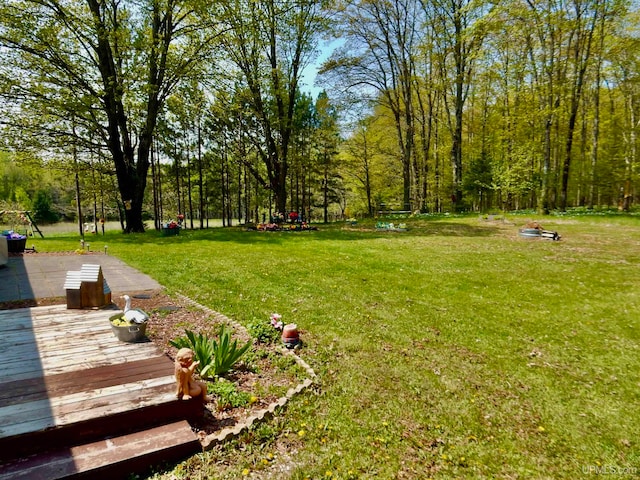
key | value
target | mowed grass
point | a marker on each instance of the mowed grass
(456, 349)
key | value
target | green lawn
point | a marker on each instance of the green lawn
(456, 349)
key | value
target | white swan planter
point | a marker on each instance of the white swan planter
(134, 315)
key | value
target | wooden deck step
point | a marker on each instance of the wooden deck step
(76, 402)
(39, 388)
(110, 401)
(110, 458)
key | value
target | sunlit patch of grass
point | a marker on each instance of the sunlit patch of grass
(456, 349)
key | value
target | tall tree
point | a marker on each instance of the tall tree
(626, 69)
(584, 19)
(542, 40)
(186, 108)
(327, 136)
(459, 36)
(302, 171)
(109, 65)
(378, 58)
(270, 43)
(358, 153)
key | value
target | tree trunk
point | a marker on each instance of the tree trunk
(629, 158)
(131, 169)
(325, 193)
(78, 197)
(178, 164)
(582, 55)
(596, 133)
(154, 187)
(200, 174)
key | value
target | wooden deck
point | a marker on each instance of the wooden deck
(67, 381)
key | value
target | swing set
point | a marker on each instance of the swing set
(27, 221)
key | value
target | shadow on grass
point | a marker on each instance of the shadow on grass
(328, 232)
(339, 231)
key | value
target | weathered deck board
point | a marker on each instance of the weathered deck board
(71, 356)
(30, 389)
(36, 416)
(113, 395)
(92, 459)
(64, 366)
(88, 362)
(44, 341)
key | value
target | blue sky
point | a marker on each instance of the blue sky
(309, 74)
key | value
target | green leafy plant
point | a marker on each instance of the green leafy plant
(263, 331)
(227, 395)
(202, 347)
(216, 357)
(226, 353)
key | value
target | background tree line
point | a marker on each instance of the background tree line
(433, 105)
(508, 105)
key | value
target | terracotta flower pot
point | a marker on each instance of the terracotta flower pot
(290, 335)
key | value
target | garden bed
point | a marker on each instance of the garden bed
(263, 376)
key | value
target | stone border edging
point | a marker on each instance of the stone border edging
(215, 438)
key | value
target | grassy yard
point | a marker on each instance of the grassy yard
(455, 349)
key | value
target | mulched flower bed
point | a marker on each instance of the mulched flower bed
(259, 375)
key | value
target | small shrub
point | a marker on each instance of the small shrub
(202, 348)
(227, 353)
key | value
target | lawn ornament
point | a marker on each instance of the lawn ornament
(187, 386)
(134, 315)
(535, 230)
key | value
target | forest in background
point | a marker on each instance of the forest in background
(146, 110)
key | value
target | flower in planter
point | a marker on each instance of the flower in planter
(11, 235)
